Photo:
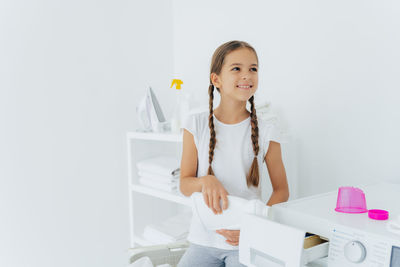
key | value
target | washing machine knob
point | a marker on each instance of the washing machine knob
(355, 251)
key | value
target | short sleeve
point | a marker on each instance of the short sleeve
(271, 131)
(191, 125)
(275, 133)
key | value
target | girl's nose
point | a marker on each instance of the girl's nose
(245, 76)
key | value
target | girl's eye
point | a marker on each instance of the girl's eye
(252, 69)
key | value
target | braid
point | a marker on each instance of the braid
(212, 131)
(254, 175)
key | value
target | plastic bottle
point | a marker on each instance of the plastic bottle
(185, 107)
(176, 120)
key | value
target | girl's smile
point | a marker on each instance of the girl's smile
(245, 86)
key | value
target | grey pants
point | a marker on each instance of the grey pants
(200, 256)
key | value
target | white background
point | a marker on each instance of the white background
(330, 70)
(72, 73)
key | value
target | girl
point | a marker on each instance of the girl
(222, 152)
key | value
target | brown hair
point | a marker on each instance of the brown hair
(217, 62)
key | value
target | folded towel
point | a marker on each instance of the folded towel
(156, 237)
(159, 181)
(164, 187)
(158, 177)
(160, 165)
(170, 230)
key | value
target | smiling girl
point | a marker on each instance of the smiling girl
(222, 152)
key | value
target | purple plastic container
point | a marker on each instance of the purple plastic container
(351, 200)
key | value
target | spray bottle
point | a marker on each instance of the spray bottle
(176, 120)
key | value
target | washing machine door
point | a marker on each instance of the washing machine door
(267, 243)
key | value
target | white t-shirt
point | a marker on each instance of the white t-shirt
(233, 156)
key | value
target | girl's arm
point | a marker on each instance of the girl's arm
(189, 183)
(212, 189)
(277, 174)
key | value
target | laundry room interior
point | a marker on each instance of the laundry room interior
(102, 143)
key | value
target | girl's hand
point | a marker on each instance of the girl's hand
(213, 192)
(232, 236)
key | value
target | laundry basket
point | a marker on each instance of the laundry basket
(161, 254)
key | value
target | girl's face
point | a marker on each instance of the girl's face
(239, 75)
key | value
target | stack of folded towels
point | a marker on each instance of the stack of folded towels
(159, 172)
(171, 230)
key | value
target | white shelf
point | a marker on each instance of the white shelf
(169, 137)
(174, 197)
(143, 145)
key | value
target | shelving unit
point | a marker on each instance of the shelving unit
(148, 205)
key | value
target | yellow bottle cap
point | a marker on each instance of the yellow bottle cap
(177, 82)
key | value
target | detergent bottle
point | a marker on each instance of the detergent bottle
(176, 120)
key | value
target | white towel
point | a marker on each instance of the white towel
(158, 177)
(159, 181)
(231, 217)
(157, 238)
(160, 186)
(162, 165)
(171, 230)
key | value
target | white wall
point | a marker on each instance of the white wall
(330, 70)
(71, 74)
